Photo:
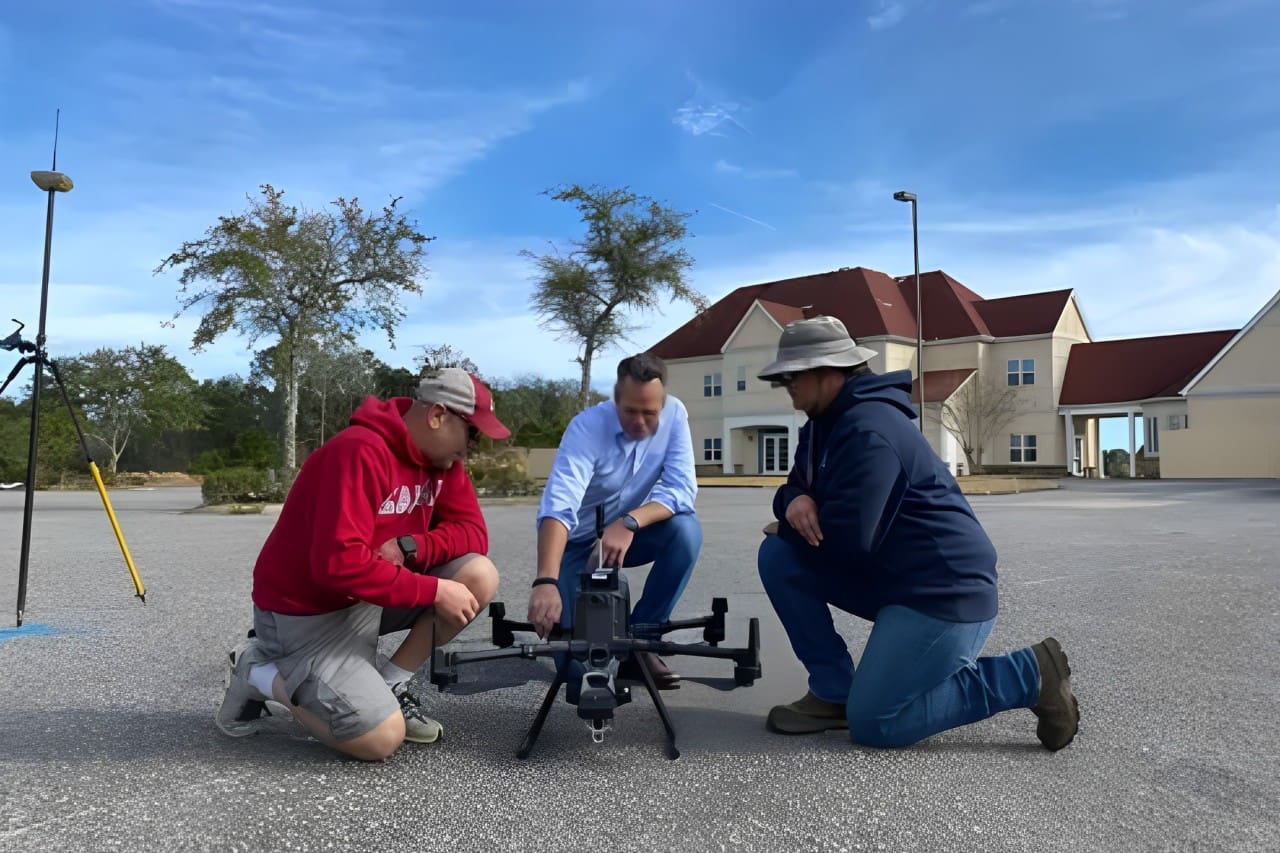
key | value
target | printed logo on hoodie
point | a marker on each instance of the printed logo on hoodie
(401, 499)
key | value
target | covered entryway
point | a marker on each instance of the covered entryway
(760, 444)
(775, 451)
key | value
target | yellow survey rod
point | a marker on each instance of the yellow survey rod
(111, 514)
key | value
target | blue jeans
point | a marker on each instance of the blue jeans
(918, 675)
(672, 546)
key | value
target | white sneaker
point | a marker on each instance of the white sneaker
(242, 708)
(418, 727)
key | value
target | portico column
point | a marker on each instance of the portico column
(726, 450)
(1071, 443)
(1133, 453)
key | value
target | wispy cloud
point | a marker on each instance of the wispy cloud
(984, 8)
(889, 14)
(707, 113)
(751, 219)
(700, 118)
(1105, 10)
(724, 167)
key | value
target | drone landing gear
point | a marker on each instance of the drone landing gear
(599, 724)
(599, 657)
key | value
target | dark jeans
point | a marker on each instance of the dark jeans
(918, 675)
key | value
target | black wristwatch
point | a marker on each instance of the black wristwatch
(408, 548)
(629, 522)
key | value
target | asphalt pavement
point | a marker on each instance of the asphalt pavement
(1165, 595)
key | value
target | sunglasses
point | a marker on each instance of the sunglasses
(473, 431)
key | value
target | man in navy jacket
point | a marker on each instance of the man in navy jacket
(870, 520)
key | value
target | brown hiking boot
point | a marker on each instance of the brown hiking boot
(806, 716)
(1058, 710)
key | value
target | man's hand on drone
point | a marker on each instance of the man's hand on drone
(544, 608)
(616, 541)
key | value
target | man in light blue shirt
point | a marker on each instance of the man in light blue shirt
(634, 458)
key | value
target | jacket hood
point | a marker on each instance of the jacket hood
(892, 388)
(386, 418)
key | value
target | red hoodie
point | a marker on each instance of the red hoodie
(364, 486)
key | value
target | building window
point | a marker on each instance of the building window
(1153, 436)
(711, 450)
(1022, 448)
(711, 385)
(742, 378)
(1022, 371)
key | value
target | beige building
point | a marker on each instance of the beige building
(1231, 422)
(993, 368)
(1014, 385)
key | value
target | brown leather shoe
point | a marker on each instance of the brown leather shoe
(1057, 708)
(663, 677)
(807, 715)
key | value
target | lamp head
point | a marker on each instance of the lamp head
(52, 181)
(903, 195)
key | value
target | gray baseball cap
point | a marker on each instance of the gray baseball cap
(460, 392)
(816, 342)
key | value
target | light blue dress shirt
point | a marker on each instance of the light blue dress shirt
(598, 465)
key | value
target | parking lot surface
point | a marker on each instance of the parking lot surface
(1165, 595)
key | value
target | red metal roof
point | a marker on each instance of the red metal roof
(1029, 314)
(940, 384)
(783, 314)
(949, 306)
(1136, 368)
(870, 304)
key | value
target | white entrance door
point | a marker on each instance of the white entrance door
(776, 454)
(1077, 460)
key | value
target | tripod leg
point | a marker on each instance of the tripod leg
(28, 500)
(139, 589)
(672, 752)
(527, 746)
(17, 368)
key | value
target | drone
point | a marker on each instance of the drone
(601, 639)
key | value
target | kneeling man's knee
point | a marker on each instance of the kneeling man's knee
(775, 561)
(481, 577)
(870, 726)
(378, 744)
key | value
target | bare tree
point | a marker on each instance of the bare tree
(131, 392)
(438, 357)
(977, 411)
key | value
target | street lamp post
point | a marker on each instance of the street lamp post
(903, 195)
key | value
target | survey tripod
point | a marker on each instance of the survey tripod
(34, 354)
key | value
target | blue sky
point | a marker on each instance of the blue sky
(1125, 148)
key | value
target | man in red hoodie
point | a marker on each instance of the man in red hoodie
(381, 532)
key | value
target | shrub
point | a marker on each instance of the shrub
(501, 474)
(240, 485)
(209, 460)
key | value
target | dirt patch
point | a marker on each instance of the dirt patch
(169, 478)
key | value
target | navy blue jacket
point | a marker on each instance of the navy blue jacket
(893, 520)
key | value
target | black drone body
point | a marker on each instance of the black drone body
(601, 639)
